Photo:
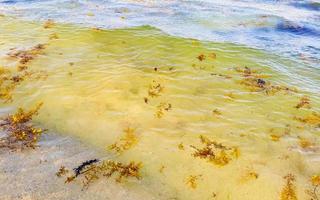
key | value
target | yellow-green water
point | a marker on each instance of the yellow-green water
(96, 84)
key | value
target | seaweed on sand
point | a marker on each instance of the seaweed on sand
(92, 170)
(80, 168)
(215, 152)
(20, 132)
(62, 171)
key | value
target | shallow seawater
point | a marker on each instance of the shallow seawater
(168, 91)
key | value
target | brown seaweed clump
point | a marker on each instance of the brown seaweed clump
(288, 191)
(312, 119)
(92, 170)
(53, 36)
(6, 84)
(304, 102)
(192, 181)
(215, 152)
(261, 85)
(48, 24)
(62, 171)
(155, 89)
(221, 75)
(248, 175)
(256, 82)
(126, 142)
(162, 108)
(20, 132)
(10, 80)
(201, 57)
(25, 56)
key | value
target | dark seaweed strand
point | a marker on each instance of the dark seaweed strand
(79, 169)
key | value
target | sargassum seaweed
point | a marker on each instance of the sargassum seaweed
(92, 170)
(20, 132)
(125, 142)
(215, 152)
(288, 191)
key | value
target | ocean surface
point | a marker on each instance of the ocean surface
(242, 74)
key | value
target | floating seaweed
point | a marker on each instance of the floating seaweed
(311, 119)
(315, 182)
(22, 68)
(48, 24)
(146, 100)
(53, 36)
(216, 112)
(192, 181)
(10, 80)
(126, 142)
(261, 85)
(92, 170)
(21, 133)
(304, 143)
(162, 108)
(288, 191)
(155, 89)
(213, 195)
(248, 175)
(275, 138)
(213, 55)
(6, 85)
(221, 75)
(304, 102)
(256, 82)
(230, 95)
(181, 146)
(162, 169)
(194, 66)
(248, 72)
(215, 152)
(201, 57)
(26, 56)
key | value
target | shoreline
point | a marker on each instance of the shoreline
(31, 174)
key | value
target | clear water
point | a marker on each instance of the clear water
(97, 82)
